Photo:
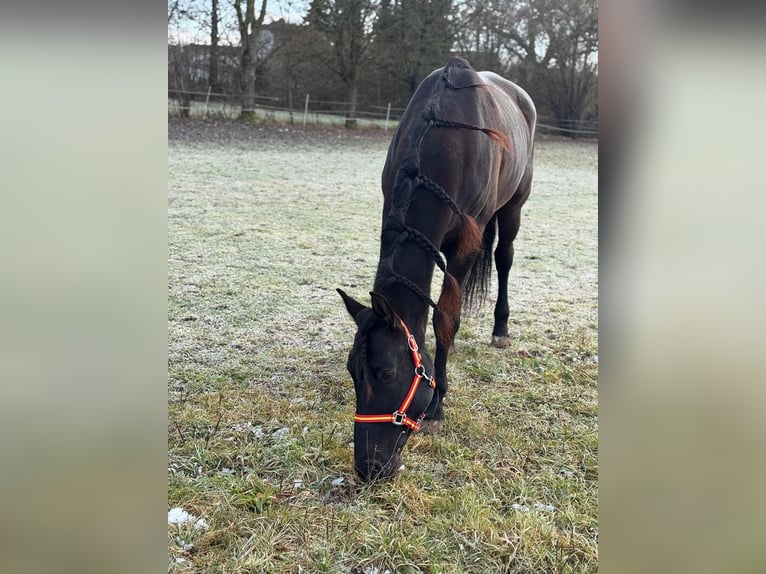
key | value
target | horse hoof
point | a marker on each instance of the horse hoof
(500, 342)
(431, 427)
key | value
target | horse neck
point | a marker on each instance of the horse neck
(416, 266)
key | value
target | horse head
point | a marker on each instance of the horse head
(393, 386)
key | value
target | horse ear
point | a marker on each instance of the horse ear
(353, 306)
(383, 309)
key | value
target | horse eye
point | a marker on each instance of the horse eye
(388, 375)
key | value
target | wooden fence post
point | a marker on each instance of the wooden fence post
(207, 99)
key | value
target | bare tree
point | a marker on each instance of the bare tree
(479, 33)
(555, 43)
(188, 21)
(571, 75)
(186, 74)
(381, 49)
(249, 34)
(295, 65)
(549, 46)
(172, 9)
(212, 76)
(348, 25)
(185, 19)
(412, 37)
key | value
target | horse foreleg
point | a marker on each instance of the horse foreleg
(435, 412)
(434, 419)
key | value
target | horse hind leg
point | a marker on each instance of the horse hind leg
(508, 222)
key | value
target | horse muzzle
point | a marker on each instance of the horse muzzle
(372, 470)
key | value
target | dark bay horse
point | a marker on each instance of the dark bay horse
(458, 170)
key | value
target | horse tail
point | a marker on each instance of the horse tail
(476, 284)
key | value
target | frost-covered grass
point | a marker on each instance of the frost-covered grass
(261, 232)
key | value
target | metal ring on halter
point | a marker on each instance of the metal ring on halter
(420, 370)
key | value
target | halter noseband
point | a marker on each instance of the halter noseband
(399, 416)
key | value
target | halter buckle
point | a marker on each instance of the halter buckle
(412, 343)
(399, 418)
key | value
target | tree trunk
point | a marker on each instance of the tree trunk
(185, 104)
(290, 97)
(212, 76)
(249, 26)
(248, 84)
(353, 96)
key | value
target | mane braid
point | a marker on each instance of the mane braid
(401, 279)
(421, 240)
(495, 135)
(365, 367)
(408, 180)
(406, 232)
(426, 182)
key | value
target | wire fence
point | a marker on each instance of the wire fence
(303, 111)
(565, 126)
(309, 110)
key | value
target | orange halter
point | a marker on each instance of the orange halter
(399, 416)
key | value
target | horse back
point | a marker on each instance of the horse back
(440, 136)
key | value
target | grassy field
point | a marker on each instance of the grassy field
(264, 224)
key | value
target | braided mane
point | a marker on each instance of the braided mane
(456, 75)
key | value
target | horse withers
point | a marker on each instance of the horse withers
(458, 170)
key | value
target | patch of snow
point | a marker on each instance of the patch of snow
(280, 433)
(546, 507)
(178, 515)
(537, 505)
(256, 431)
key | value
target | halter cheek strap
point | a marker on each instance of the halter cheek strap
(399, 416)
